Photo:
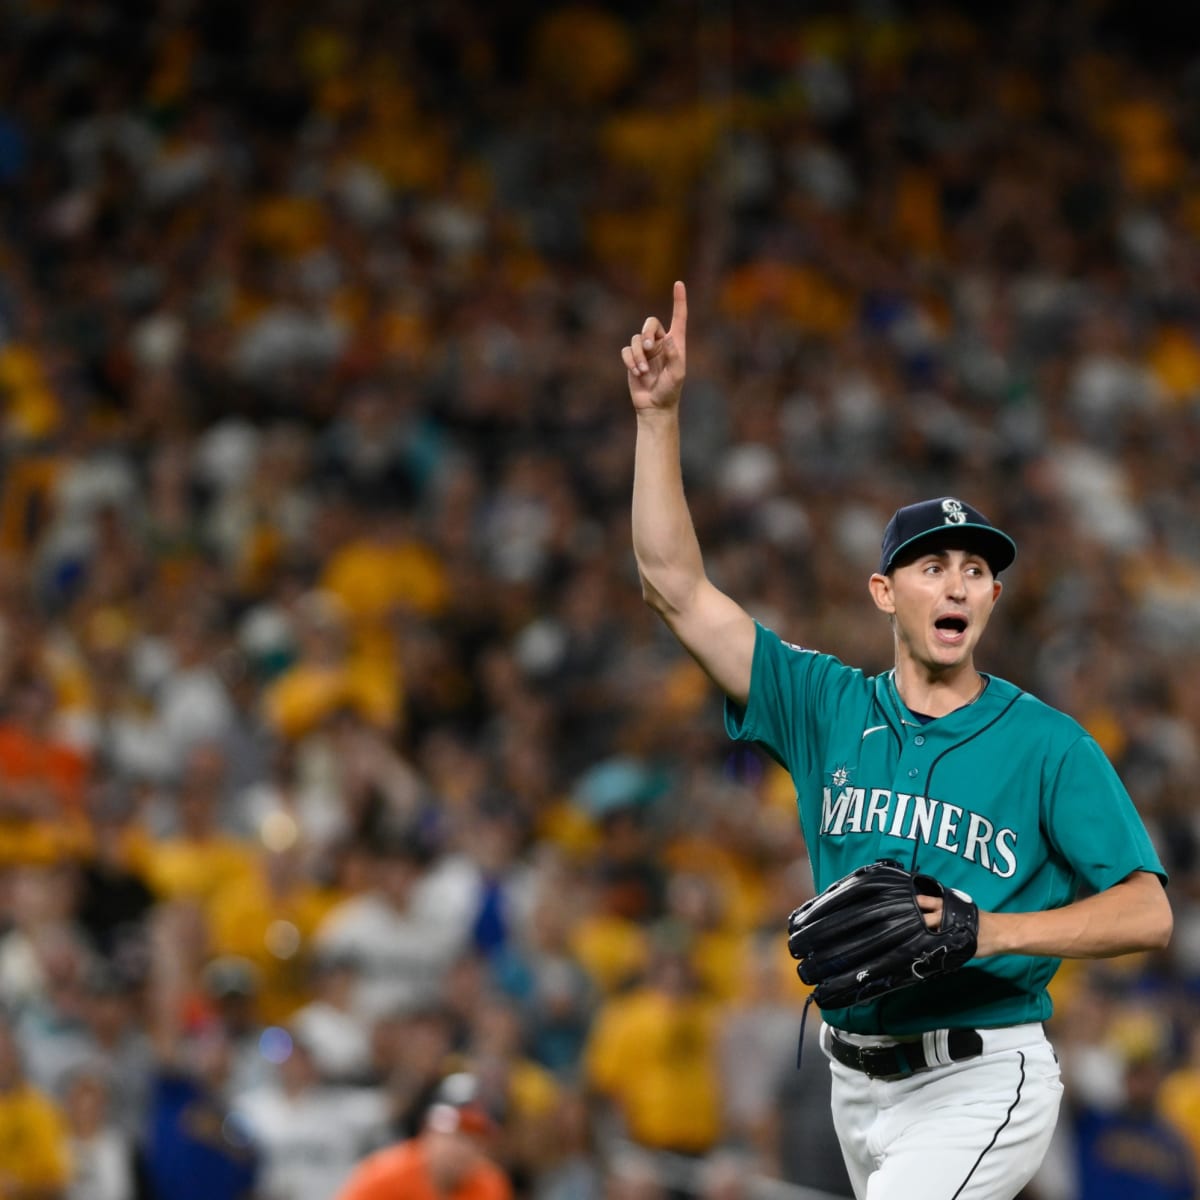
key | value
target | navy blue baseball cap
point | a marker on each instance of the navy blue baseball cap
(948, 520)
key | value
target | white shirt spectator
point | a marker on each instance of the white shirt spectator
(101, 1167)
(311, 1140)
(339, 1041)
(404, 949)
(193, 707)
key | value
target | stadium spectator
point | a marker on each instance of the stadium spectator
(1132, 1150)
(406, 928)
(652, 1058)
(339, 1043)
(449, 1157)
(34, 1144)
(194, 857)
(310, 1135)
(101, 1152)
(192, 1145)
(41, 810)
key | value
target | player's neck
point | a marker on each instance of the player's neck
(936, 693)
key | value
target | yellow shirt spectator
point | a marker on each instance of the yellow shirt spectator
(718, 956)
(582, 52)
(307, 693)
(652, 1054)
(197, 860)
(327, 676)
(1174, 359)
(375, 577)
(1179, 1099)
(33, 1146)
(611, 949)
(196, 868)
(271, 921)
(31, 409)
(34, 1157)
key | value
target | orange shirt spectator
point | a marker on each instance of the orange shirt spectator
(405, 1170)
(41, 782)
(447, 1160)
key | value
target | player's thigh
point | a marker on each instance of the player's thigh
(976, 1134)
(854, 1119)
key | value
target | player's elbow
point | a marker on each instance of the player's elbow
(651, 595)
(1158, 921)
(1163, 925)
(667, 595)
(655, 600)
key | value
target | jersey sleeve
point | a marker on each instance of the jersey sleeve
(793, 694)
(1092, 821)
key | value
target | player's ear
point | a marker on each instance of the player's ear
(997, 588)
(881, 592)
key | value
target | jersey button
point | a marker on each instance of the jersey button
(912, 772)
(919, 740)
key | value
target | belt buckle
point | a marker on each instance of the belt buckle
(869, 1060)
(899, 1059)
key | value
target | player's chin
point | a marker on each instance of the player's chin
(945, 657)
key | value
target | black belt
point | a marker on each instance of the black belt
(902, 1058)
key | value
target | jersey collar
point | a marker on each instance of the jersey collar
(996, 694)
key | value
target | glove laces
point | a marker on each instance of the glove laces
(803, 1020)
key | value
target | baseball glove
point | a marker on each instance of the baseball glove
(864, 935)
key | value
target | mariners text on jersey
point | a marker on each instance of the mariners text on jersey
(920, 819)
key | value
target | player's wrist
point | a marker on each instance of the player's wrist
(995, 934)
(657, 415)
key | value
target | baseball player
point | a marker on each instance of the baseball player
(1011, 819)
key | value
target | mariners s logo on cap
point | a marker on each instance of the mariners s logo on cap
(955, 513)
(929, 522)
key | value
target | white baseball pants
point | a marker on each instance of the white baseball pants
(973, 1130)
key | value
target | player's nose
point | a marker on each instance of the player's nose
(956, 583)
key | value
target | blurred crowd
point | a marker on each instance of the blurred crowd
(338, 752)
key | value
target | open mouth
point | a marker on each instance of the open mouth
(951, 629)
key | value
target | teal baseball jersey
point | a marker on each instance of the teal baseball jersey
(1006, 799)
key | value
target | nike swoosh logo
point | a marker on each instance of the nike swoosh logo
(873, 729)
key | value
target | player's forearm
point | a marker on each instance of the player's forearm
(1133, 915)
(664, 539)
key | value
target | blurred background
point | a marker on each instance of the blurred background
(337, 749)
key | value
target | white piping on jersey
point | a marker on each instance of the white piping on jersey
(900, 703)
(873, 729)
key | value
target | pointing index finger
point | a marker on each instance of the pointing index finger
(679, 311)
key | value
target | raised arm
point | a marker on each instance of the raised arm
(714, 629)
